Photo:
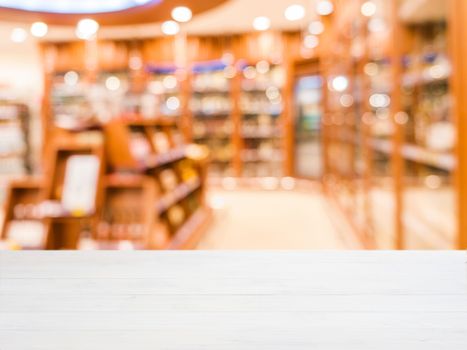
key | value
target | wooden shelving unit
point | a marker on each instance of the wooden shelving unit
(392, 146)
(131, 192)
(14, 138)
(211, 107)
(23, 222)
(262, 119)
(206, 92)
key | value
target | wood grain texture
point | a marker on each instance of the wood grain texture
(233, 300)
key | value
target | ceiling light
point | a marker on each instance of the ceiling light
(74, 6)
(316, 28)
(170, 28)
(87, 28)
(182, 14)
(368, 9)
(39, 29)
(18, 35)
(324, 7)
(261, 23)
(294, 12)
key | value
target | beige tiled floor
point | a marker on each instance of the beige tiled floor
(275, 220)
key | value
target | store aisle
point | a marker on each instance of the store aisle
(275, 220)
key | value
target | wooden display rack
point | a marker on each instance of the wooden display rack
(363, 166)
(179, 57)
(130, 206)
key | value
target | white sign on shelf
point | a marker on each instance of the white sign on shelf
(80, 184)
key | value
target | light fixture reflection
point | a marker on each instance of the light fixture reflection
(73, 6)
(39, 29)
(261, 23)
(86, 29)
(182, 14)
(170, 28)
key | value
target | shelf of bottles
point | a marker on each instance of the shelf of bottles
(429, 138)
(14, 144)
(378, 72)
(211, 105)
(111, 95)
(261, 105)
(162, 98)
(70, 100)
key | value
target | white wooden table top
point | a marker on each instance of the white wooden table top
(233, 300)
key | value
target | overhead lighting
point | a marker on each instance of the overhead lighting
(73, 6)
(18, 35)
(182, 14)
(324, 7)
(39, 29)
(261, 23)
(294, 12)
(87, 29)
(316, 28)
(368, 9)
(170, 28)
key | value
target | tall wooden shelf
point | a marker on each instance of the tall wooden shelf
(211, 109)
(262, 124)
(398, 151)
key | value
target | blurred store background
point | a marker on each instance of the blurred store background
(233, 124)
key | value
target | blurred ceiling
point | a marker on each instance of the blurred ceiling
(106, 12)
(218, 17)
(415, 11)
